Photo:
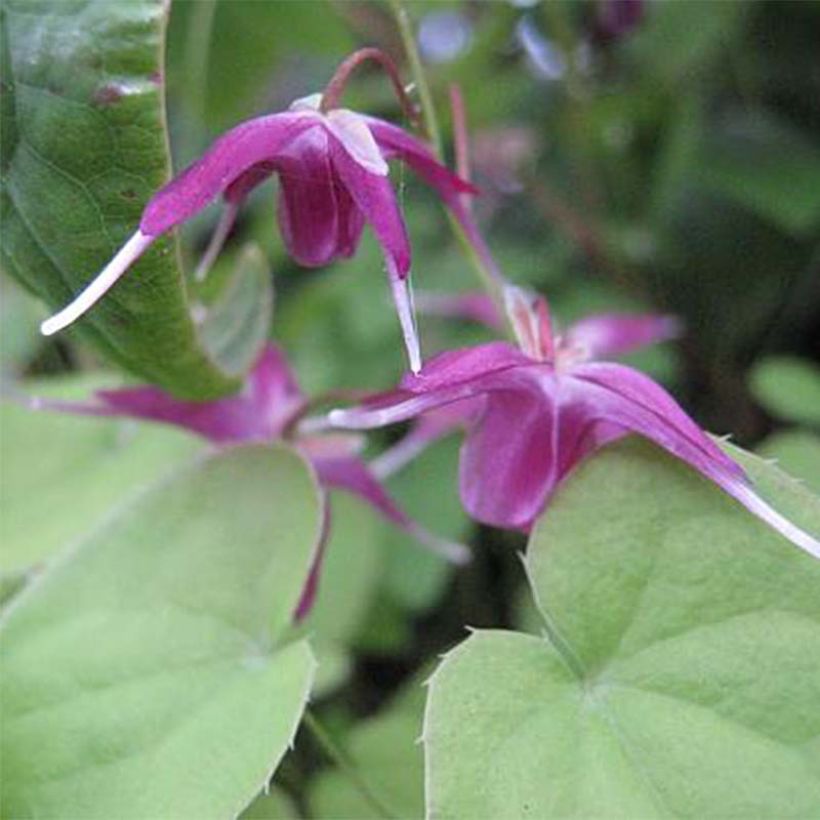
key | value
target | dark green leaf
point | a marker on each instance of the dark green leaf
(84, 146)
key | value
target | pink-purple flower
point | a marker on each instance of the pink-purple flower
(332, 165)
(533, 412)
(267, 409)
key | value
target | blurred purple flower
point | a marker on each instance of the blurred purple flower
(534, 412)
(333, 174)
(266, 410)
(616, 19)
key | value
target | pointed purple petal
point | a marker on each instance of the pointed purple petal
(376, 199)
(626, 397)
(633, 401)
(397, 143)
(256, 141)
(609, 334)
(448, 377)
(353, 476)
(317, 216)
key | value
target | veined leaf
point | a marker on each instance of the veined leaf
(150, 673)
(678, 673)
(84, 146)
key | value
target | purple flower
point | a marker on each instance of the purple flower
(533, 412)
(267, 409)
(333, 177)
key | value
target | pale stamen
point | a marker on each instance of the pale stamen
(217, 242)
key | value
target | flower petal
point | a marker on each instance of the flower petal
(317, 216)
(252, 142)
(352, 132)
(376, 199)
(509, 459)
(610, 334)
(631, 400)
(260, 412)
(353, 476)
(446, 378)
(395, 142)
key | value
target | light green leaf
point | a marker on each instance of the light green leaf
(386, 751)
(428, 490)
(237, 325)
(84, 147)
(797, 453)
(20, 317)
(60, 474)
(350, 573)
(275, 805)
(150, 674)
(788, 387)
(679, 669)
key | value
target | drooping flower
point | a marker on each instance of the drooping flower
(266, 410)
(533, 412)
(332, 165)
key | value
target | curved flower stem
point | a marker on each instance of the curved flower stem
(332, 750)
(335, 88)
(428, 109)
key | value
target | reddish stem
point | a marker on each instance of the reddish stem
(335, 88)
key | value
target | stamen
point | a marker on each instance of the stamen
(398, 456)
(454, 552)
(217, 242)
(125, 257)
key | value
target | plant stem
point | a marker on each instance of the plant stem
(335, 753)
(408, 38)
(463, 226)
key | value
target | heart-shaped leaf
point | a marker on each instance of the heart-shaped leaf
(84, 146)
(149, 673)
(679, 669)
(788, 387)
(60, 474)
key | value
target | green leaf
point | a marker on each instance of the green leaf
(678, 672)
(19, 320)
(386, 752)
(788, 387)
(350, 572)
(797, 453)
(275, 805)
(84, 147)
(60, 474)
(150, 674)
(237, 325)
(767, 166)
(428, 490)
